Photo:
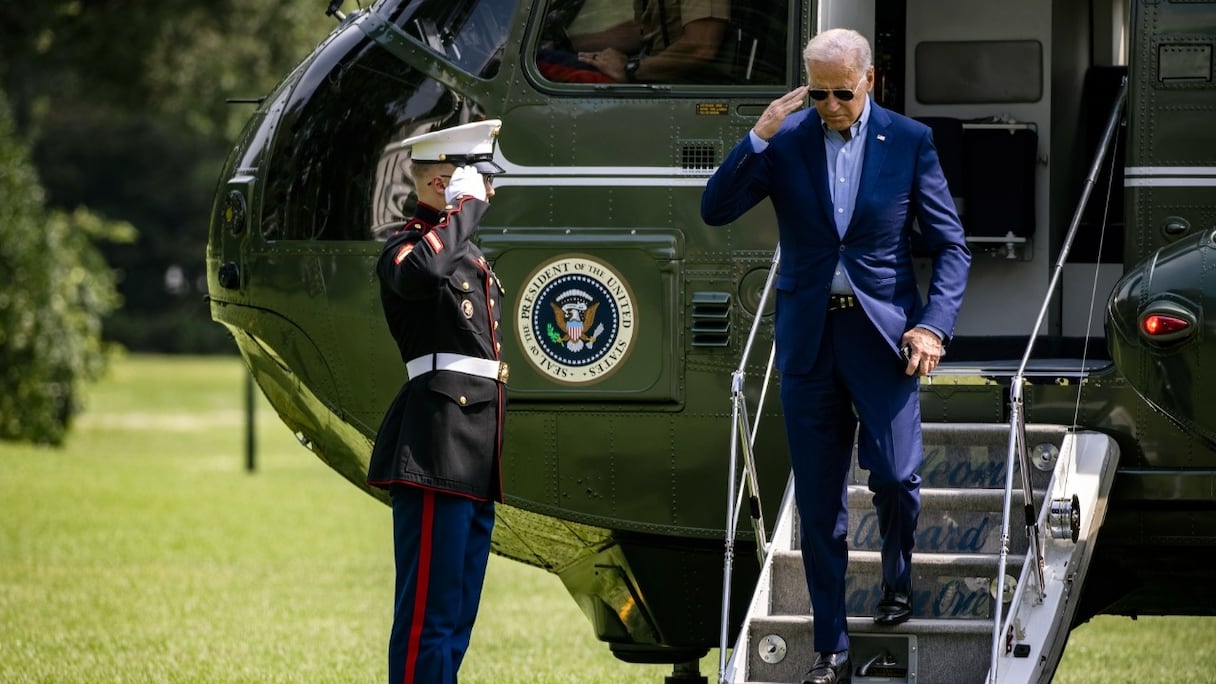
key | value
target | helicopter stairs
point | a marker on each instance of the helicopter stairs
(950, 637)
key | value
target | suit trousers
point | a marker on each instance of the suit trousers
(856, 385)
(442, 545)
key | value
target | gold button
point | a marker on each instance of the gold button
(498, 346)
(463, 401)
(466, 284)
(491, 303)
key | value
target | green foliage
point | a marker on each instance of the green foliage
(126, 111)
(178, 59)
(56, 289)
(202, 58)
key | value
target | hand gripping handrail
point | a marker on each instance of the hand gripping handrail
(1017, 420)
(743, 436)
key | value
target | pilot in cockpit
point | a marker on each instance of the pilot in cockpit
(660, 41)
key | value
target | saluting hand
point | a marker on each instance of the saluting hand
(770, 121)
(466, 181)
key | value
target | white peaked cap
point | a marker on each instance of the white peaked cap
(471, 143)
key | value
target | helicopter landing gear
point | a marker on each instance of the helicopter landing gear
(686, 673)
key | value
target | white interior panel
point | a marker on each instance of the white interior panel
(1003, 295)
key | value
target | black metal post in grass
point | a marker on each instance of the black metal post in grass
(251, 460)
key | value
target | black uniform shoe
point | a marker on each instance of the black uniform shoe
(830, 668)
(894, 608)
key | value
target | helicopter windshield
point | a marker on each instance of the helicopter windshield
(469, 34)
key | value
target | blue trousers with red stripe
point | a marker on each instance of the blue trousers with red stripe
(442, 545)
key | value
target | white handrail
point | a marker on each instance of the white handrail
(742, 435)
(1017, 424)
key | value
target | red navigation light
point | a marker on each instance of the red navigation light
(1159, 324)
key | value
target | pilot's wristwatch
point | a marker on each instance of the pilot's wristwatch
(631, 69)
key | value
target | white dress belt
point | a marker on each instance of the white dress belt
(458, 363)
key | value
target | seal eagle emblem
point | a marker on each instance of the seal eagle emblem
(576, 319)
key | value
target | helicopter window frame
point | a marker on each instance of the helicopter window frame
(744, 38)
(470, 35)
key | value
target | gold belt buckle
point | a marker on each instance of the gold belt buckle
(504, 372)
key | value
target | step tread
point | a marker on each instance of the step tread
(864, 624)
(930, 559)
(964, 498)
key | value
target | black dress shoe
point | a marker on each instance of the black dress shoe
(830, 668)
(894, 608)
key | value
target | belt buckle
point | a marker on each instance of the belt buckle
(837, 302)
(504, 372)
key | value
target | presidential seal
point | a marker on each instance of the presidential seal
(576, 319)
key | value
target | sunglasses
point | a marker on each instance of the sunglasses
(821, 94)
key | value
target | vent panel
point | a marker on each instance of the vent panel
(699, 157)
(711, 319)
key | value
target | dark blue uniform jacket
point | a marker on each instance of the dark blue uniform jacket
(444, 429)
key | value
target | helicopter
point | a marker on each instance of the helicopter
(1076, 139)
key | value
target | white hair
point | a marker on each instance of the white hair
(839, 45)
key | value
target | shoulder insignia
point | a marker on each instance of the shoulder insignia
(403, 252)
(434, 241)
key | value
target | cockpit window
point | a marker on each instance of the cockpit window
(664, 42)
(337, 173)
(468, 33)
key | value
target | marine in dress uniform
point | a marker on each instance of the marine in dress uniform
(438, 448)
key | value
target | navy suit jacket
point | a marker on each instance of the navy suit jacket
(901, 180)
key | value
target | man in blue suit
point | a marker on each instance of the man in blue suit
(848, 179)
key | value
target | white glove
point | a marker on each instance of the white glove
(465, 181)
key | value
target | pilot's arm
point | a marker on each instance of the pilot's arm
(696, 46)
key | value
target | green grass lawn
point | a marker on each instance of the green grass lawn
(143, 551)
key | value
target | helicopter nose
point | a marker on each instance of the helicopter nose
(1154, 325)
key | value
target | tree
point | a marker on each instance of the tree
(126, 112)
(57, 287)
